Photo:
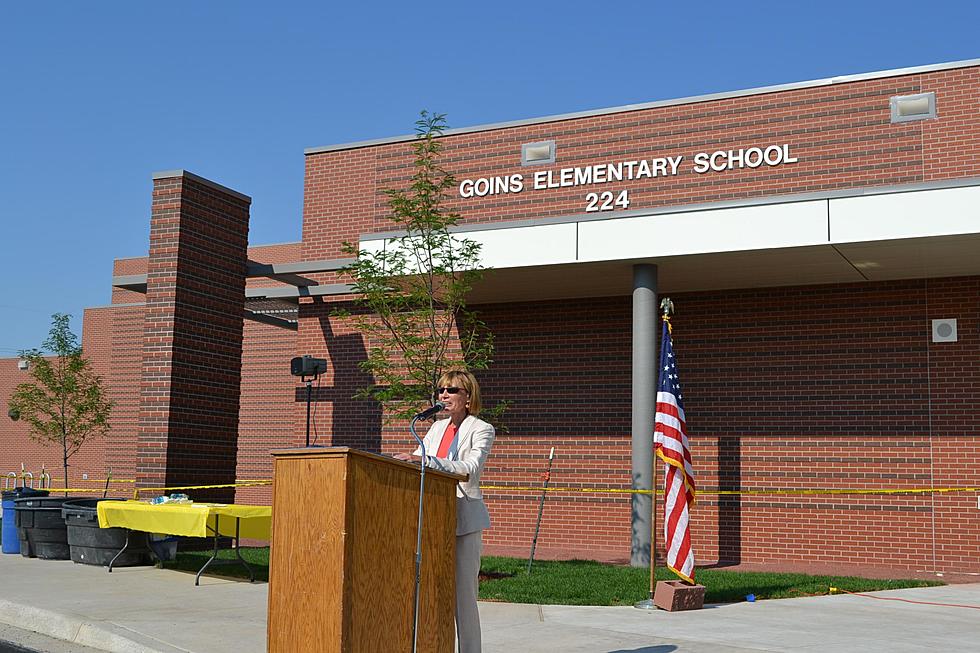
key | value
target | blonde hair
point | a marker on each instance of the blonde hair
(466, 381)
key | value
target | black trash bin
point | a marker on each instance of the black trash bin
(10, 540)
(90, 545)
(41, 528)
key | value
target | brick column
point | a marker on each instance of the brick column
(190, 385)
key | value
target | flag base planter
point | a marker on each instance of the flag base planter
(674, 595)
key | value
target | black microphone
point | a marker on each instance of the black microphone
(429, 412)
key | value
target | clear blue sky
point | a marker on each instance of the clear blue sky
(96, 96)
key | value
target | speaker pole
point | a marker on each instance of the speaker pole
(309, 400)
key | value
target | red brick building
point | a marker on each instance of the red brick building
(819, 241)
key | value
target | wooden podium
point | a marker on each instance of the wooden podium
(342, 559)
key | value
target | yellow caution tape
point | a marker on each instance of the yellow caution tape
(99, 480)
(514, 488)
(588, 490)
(136, 491)
(56, 490)
(926, 490)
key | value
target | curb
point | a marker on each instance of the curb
(104, 635)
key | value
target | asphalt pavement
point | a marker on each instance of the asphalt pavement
(150, 610)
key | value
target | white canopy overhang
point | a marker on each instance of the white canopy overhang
(907, 232)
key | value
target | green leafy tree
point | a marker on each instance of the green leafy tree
(414, 290)
(65, 402)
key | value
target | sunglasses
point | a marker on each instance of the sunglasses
(451, 390)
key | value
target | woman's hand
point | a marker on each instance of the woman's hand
(407, 457)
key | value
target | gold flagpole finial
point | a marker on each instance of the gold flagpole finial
(666, 308)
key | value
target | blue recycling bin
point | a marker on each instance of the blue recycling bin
(9, 541)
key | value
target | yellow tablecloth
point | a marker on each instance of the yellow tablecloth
(189, 519)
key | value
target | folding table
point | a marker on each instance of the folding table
(191, 520)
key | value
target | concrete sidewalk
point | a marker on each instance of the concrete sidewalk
(154, 610)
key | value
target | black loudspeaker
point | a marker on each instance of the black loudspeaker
(307, 366)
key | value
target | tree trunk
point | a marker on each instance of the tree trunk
(64, 450)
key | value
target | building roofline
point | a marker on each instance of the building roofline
(761, 90)
(168, 174)
(119, 305)
(286, 242)
(146, 256)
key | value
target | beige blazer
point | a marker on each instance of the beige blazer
(467, 455)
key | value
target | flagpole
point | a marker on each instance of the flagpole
(647, 604)
(653, 530)
(667, 309)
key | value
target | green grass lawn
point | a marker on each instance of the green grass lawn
(583, 582)
(257, 558)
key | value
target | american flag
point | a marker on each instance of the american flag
(670, 437)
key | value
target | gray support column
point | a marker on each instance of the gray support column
(644, 406)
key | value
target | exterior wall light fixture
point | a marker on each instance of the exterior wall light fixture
(533, 154)
(906, 108)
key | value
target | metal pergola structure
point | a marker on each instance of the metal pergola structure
(277, 305)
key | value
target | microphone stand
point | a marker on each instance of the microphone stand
(418, 541)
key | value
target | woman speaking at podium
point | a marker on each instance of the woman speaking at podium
(461, 445)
